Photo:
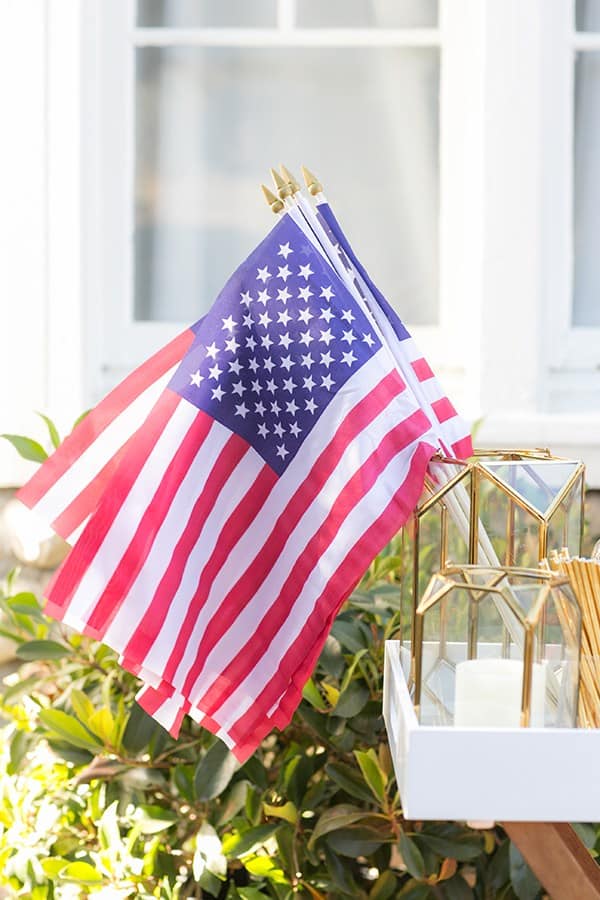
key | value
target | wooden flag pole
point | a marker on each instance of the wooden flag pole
(558, 858)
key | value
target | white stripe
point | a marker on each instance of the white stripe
(174, 523)
(366, 511)
(87, 466)
(166, 713)
(235, 488)
(228, 647)
(127, 519)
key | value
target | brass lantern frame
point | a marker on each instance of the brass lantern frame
(530, 622)
(476, 471)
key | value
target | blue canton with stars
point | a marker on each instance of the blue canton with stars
(281, 339)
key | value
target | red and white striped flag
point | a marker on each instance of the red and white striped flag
(227, 519)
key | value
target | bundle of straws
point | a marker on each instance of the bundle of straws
(584, 575)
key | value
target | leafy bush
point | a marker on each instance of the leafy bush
(96, 799)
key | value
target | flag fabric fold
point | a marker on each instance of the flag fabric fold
(229, 495)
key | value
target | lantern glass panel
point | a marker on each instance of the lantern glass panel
(482, 634)
(537, 482)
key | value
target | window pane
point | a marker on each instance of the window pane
(210, 121)
(367, 13)
(586, 190)
(587, 15)
(206, 13)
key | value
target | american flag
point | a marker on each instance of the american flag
(453, 435)
(227, 520)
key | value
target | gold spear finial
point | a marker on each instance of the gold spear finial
(273, 201)
(283, 188)
(294, 185)
(311, 181)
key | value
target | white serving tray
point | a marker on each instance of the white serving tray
(510, 774)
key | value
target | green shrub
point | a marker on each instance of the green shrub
(96, 799)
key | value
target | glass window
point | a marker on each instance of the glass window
(587, 15)
(206, 13)
(210, 120)
(367, 13)
(586, 190)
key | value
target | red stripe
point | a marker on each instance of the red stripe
(340, 585)
(141, 641)
(87, 500)
(115, 592)
(365, 411)
(235, 526)
(361, 482)
(443, 410)
(74, 567)
(90, 428)
(422, 369)
(463, 448)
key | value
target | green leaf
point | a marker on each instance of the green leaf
(411, 855)
(336, 817)
(331, 659)
(18, 749)
(139, 730)
(52, 865)
(82, 705)
(233, 802)
(152, 819)
(355, 841)
(412, 891)
(296, 776)
(456, 888)
(81, 872)
(385, 887)
(183, 776)
(312, 695)
(52, 430)
(285, 811)
(26, 447)
(250, 893)
(25, 603)
(214, 772)
(524, 883)
(459, 850)
(350, 635)
(42, 650)
(102, 723)
(266, 868)
(69, 729)
(239, 844)
(349, 780)
(352, 700)
(372, 773)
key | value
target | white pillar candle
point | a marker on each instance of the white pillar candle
(488, 693)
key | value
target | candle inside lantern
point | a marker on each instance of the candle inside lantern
(488, 693)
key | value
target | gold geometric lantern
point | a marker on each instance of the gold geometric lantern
(497, 647)
(502, 508)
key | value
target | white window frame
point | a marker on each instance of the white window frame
(126, 342)
(573, 351)
(505, 348)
